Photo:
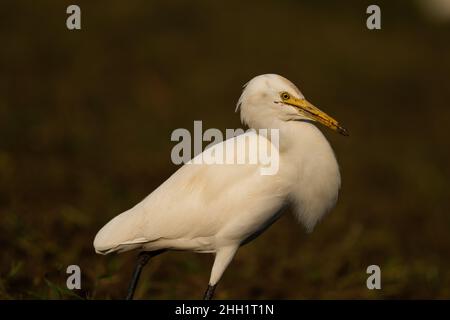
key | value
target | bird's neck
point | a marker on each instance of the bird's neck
(298, 135)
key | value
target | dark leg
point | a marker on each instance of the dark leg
(209, 292)
(142, 261)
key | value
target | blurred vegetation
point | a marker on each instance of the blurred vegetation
(86, 118)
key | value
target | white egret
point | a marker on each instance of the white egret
(217, 208)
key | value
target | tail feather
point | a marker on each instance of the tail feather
(120, 234)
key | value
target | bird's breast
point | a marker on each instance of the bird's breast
(310, 165)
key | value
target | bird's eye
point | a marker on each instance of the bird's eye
(285, 96)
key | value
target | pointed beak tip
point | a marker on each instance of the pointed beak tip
(343, 131)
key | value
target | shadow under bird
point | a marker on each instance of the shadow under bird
(216, 208)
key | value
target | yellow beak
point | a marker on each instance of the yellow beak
(311, 111)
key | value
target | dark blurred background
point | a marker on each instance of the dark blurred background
(86, 118)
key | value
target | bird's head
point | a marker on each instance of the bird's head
(270, 97)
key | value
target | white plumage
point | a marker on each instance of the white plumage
(217, 207)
